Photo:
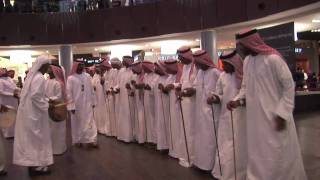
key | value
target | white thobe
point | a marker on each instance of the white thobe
(58, 129)
(107, 79)
(161, 119)
(188, 107)
(32, 143)
(113, 83)
(124, 110)
(80, 95)
(269, 91)
(7, 87)
(149, 105)
(101, 107)
(204, 137)
(176, 146)
(140, 125)
(226, 90)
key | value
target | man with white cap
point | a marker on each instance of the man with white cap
(81, 102)
(124, 109)
(56, 91)
(32, 144)
(9, 94)
(205, 131)
(161, 116)
(187, 103)
(98, 81)
(150, 79)
(113, 93)
(269, 91)
(227, 88)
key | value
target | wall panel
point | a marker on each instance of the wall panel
(230, 11)
(9, 30)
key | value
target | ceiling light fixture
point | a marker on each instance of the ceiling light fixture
(315, 30)
(316, 20)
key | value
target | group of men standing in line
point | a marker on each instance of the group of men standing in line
(237, 123)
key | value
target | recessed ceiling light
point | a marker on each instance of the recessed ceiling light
(95, 49)
(47, 51)
(315, 30)
(198, 40)
(316, 20)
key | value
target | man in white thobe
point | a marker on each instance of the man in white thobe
(138, 89)
(228, 86)
(177, 144)
(32, 144)
(107, 79)
(205, 131)
(113, 93)
(269, 90)
(187, 103)
(150, 79)
(124, 110)
(81, 102)
(55, 91)
(9, 95)
(101, 99)
(161, 116)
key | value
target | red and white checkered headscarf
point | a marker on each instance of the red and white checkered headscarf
(160, 66)
(172, 66)
(185, 52)
(235, 60)
(203, 57)
(74, 68)
(252, 40)
(58, 73)
(148, 66)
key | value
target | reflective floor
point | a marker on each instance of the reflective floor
(120, 161)
(308, 128)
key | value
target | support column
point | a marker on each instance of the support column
(66, 57)
(209, 43)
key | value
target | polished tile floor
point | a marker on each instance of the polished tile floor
(308, 128)
(120, 161)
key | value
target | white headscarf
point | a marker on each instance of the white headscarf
(41, 60)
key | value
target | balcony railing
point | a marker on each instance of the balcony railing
(45, 6)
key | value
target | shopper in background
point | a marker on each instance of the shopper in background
(299, 78)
